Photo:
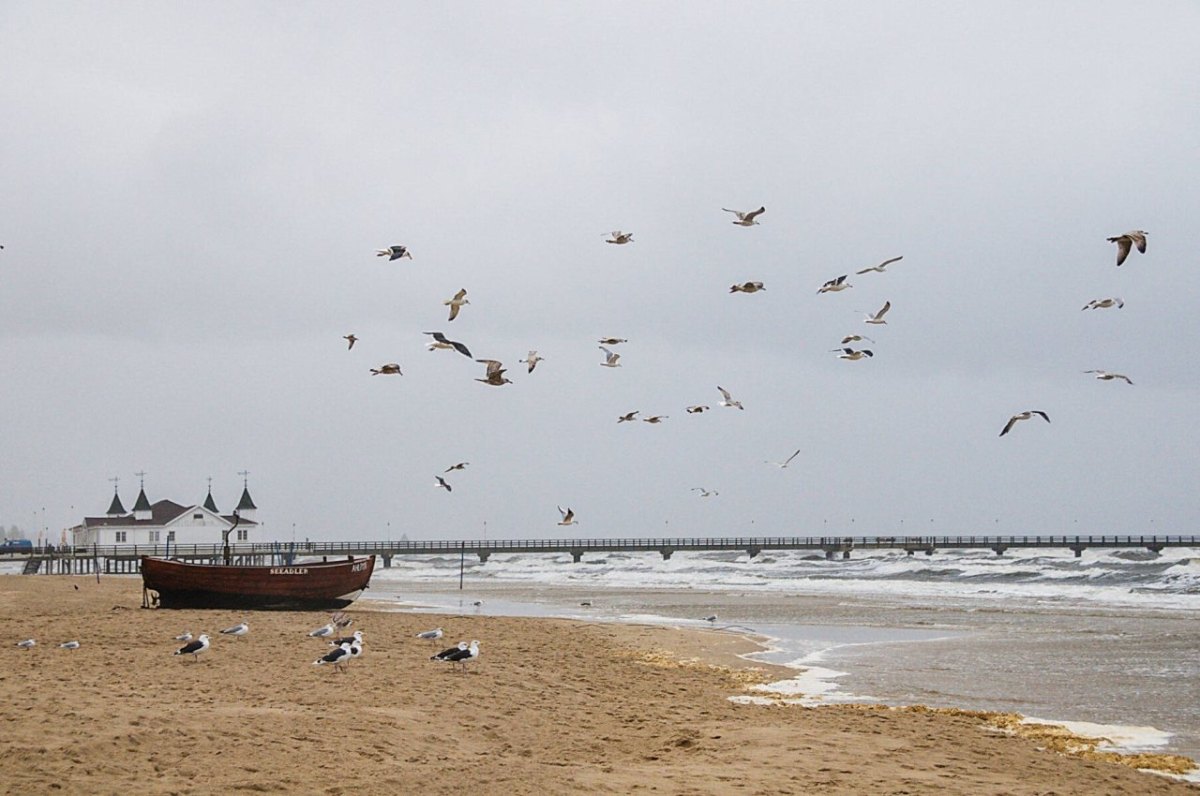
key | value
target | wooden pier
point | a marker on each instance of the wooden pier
(124, 559)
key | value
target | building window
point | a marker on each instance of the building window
(197, 516)
(154, 535)
(243, 534)
(170, 536)
(120, 537)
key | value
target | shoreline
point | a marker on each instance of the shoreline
(584, 706)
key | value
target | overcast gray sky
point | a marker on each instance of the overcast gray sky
(192, 197)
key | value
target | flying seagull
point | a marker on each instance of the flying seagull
(440, 341)
(1104, 375)
(746, 218)
(618, 237)
(1103, 304)
(456, 302)
(393, 253)
(747, 287)
(854, 338)
(1023, 416)
(194, 648)
(654, 418)
(627, 417)
(611, 340)
(390, 369)
(237, 631)
(697, 409)
(727, 399)
(1127, 241)
(834, 285)
(531, 359)
(495, 373)
(879, 268)
(852, 355)
(459, 466)
(341, 620)
(568, 516)
(705, 492)
(441, 483)
(610, 359)
(783, 464)
(878, 317)
(351, 339)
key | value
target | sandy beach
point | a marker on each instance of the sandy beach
(552, 706)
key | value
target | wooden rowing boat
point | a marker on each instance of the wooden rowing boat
(301, 586)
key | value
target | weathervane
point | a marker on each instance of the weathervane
(114, 480)
(245, 474)
(141, 479)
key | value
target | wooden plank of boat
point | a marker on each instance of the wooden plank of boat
(301, 586)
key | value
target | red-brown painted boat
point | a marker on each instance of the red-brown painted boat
(300, 586)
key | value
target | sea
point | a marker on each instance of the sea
(1107, 643)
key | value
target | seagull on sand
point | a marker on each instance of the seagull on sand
(727, 399)
(1012, 421)
(627, 417)
(1103, 304)
(495, 373)
(611, 340)
(879, 268)
(834, 285)
(568, 516)
(459, 466)
(462, 656)
(618, 237)
(390, 369)
(455, 303)
(854, 338)
(610, 359)
(184, 636)
(341, 620)
(746, 218)
(339, 657)
(356, 638)
(531, 359)
(747, 287)
(852, 355)
(441, 483)
(783, 464)
(430, 635)
(351, 339)
(1127, 241)
(440, 341)
(709, 618)
(27, 644)
(878, 316)
(697, 409)
(705, 492)
(236, 631)
(325, 631)
(393, 253)
(69, 645)
(194, 648)
(654, 418)
(446, 653)
(1104, 375)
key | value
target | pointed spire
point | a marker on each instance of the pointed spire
(209, 503)
(115, 509)
(245, 506)
(141, 506)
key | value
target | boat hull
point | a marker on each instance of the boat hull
(316, 586)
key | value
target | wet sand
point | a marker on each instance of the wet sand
(552, 706)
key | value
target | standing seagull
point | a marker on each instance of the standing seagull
(456, 302)
(440, 341)
(357, 638)
(568, 516)
(393, 253)
(27, 644)
(878, 317)
(339, 657)
(879, 268)
(834, 285)
(446, 653)
(194, 648)
(1104, 375)
(237, 631)
(495, 373)
(783, 464)
(441, 483)
(324, 631)
(463, 656)
(727, 399)
(185, 636)
(1127, 241)
(531, 359)
(430, 635)
(69, 645)
(610, 359)
(747, 287)
(351, 339)
(1103, 304)
(746, 219)
(1023, 416)
(618, 237)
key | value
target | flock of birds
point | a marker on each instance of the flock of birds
(848, 348)
(343, 650)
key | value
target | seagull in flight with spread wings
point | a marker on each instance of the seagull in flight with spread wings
(1127, 241)
(1103, 304)
(835, 285)
(495, 373)
(610, 358)
(783, 464)
(455, 303)
(1104, 375)
(618, 237)
(727, 399)
(568, 516)
(746, 218)
(877, 318)
(441, 342)
(1012, 421)
(879, 268)
(393, 253)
